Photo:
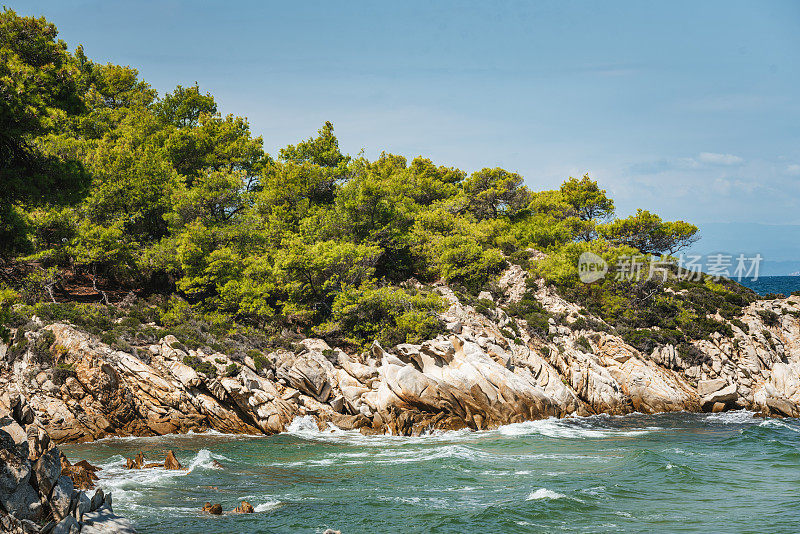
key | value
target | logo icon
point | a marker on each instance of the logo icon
(591, 267)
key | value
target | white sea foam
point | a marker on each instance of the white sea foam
(305, 427)
(126, 483)
(267, 506)
(777, 423)
(736, 417)
(544, 493)
(575, 428)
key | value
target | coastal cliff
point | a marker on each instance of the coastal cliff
(485, 371)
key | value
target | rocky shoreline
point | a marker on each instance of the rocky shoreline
(485, 372)
(40, 491)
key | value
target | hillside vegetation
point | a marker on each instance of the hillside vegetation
(106, 181)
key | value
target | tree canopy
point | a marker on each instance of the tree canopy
(101, 174)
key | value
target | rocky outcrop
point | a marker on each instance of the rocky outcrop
(213, 509)
(38, 489)
(170, 462)
(244, 508)
(485, 371)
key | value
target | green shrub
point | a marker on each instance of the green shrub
(485, 307)
(109, 337)
(390, 315)
(206, 368)
(769, 317)
(534, 314)
(584, 343)
(232, 370)
(260, 362)
(741, 325)
(61, 372)
(41, 347)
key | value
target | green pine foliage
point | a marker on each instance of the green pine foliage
(101, 176)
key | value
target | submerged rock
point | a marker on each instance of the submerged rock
(244, 508)
(213, 509)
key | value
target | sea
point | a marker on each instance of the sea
(764, 285)
(732, 472)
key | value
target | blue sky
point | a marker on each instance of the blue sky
(689, 109)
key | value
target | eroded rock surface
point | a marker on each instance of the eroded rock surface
(484, 372)
(37, 490)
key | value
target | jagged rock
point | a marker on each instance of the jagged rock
(97, 500)
(81, 473)
(485, 372)
(47, 470)
(61, 497)
(135, 463)
(68, 525)
(170, 462)
(38, 441)
(84, 505)
(244, 508)
(23, 502)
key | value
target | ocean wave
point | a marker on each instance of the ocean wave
(735, 417)
(781, 424)
(305, 427)
(544, 493)
(186, 435)
(267, 506)
(569, 428)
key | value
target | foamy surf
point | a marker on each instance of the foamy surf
(569, 428)
(544, 493)
(736, 417)
(305, 427)
(267, 506)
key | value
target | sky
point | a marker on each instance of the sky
(688, 109)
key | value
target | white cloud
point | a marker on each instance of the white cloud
(712, 158)
(793, 169)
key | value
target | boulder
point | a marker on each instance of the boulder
(97, 500)
(23, 502)
(17, 433)
(15, 469)
(61, 498)
(47, 470)
(104, 521)
(725, 395)
(68, 525)
(707, 387)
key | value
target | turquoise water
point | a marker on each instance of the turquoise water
(664, 473)
(773, 284)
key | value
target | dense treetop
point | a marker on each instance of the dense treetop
(100, 174)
